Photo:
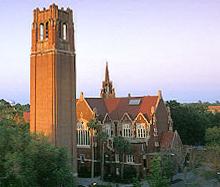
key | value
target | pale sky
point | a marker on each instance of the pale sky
(172, 45)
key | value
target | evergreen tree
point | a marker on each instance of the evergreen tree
(156, 178)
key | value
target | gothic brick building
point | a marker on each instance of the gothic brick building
(144, 121)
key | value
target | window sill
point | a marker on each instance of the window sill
(84, 146)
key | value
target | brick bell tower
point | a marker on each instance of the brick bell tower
(53, 77)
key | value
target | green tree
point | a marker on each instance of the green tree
(29, 160)
(14, 113)
(214, 120)
(122, 146)
(136, 182)
(102, 137)
(190, 120)
(212, 136)
(168, 166)
(156, 177)
(94, 126)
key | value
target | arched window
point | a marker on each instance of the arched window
(83, 137)
(126, 130)
(47, 30)
(41, 31)
(65, 31)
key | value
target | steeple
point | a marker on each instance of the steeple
(107, 79)
(107, 90)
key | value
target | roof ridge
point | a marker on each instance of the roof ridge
(123, 97)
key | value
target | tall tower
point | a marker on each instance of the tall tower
(107, 90)
(53, 77)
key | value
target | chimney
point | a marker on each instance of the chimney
(159, 93)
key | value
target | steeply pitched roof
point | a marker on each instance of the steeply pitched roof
(117, 107)
(99, 105)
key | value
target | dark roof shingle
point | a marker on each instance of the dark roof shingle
(117, 107)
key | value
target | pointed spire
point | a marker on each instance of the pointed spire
(107, 78)
(107, 90)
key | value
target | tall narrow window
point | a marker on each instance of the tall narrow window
(60, 30)
(64, 31)
(83, 137)
(47, 30)
(41, 31)
(36, 28)
(155, 131)
(117, 158)
(141, 131)
(145, 163)
(108, 130)
(126, 130)
(129, 158)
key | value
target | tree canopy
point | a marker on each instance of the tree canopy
(29, 160)
(191, 121)
(13, 112)
(121, 145)
(213, 136)
(156, 177)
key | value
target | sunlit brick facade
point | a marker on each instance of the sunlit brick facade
(52, 76)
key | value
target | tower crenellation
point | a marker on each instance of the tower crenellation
(52, 29)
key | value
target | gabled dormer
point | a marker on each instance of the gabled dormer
(142, 126)
(108, 126)
(126, 129)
